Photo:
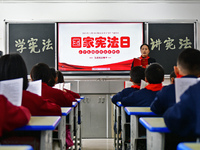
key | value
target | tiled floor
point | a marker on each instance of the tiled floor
(97, 144)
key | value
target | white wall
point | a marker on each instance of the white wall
(95, 12)
(70, 12)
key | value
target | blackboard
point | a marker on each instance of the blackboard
(35, 42)
(167, 40)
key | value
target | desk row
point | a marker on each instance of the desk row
(48, 132)
(156, 130)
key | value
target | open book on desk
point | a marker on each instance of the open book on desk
(12, 90)
(35, 87)
(182, 84)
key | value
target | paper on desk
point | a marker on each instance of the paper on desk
(35, 87)
(143, 84)
(182, 84)
(12, 90)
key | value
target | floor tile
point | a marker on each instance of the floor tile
(97, 144)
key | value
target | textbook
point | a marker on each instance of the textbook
(59, 86)
(35, 87)
(67, 86)
(127, 84)
(143, 84)
(182, 84)
(140, 62)
(62, 86)
(12, 90)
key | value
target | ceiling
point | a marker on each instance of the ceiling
(96, 1)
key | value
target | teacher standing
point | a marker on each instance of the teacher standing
(145, 50)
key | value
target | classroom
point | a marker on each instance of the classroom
(96, 87)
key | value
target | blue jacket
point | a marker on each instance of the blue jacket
(124, 93)
(141, 97)
(165, 98)
(183, 118)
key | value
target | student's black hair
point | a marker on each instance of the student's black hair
(137, 74)
(154, 73)
(41, 71)
(189, 60)
(146, 45)
(12, 66)
(52, 80)
(172, 77)
(60, 77)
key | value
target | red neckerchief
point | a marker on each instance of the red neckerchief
(143, 57)
(135, 86)
(154, 87)
(178, 76)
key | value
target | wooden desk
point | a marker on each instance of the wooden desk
(15, 147)
(45, 124)
(156, 130)
(117, 120)
(74, 125)
(134, 113)
(188, 146)
(62, 126)
(120, 121)
(123, 124)
(79, 121)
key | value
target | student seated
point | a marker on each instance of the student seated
(154, 75)
(60, 79)
(136, 75)
(12, 66)
(183, 117)
(42, 72)
(188, 63)
(12, 116)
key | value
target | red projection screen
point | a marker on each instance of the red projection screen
(98, 48)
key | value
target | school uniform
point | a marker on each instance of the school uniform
(39, 106)
(124, 93)
(12, 116)
(165, 98)
(143, 97)
(184, 117)
(59, 97)
(75, 95)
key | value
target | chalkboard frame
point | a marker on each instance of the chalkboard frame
(146, 40)
(172, 22)
(51, 25)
